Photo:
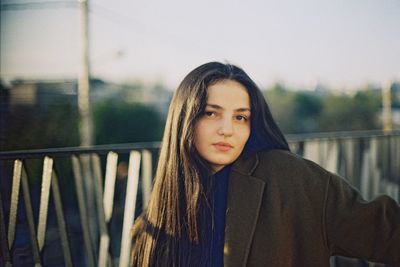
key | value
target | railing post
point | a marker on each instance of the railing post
(103, 256)
(61, 220)
(130, 203)
(44, 200)
(14, 201)
(30, 220)
(146, 176)
(109, 184)
(83, 211)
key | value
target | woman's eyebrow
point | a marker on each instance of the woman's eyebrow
(243, 110)
(221, 108)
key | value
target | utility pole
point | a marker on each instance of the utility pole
(86, 128)
(387, 107)
(85, 114)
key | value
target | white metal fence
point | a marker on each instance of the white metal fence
(76, 206)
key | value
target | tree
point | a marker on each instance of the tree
(280, 101)
(119, 122)
(295, 112)
(32, 127)
(307, 108)
(346, 113)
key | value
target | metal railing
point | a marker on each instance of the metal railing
(79, 208)
(94, 194)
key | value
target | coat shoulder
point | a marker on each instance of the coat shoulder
(281, 163)
(285, 159)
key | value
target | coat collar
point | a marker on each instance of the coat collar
(244, 200)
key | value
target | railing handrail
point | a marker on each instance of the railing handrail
(67, 151)
(341, 135)
(127, 147)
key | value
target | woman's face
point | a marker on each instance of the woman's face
(223, 129)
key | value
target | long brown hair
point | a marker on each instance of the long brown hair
(172, 224)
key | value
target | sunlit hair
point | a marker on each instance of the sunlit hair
(180, 191)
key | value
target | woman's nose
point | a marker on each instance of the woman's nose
(226, 127)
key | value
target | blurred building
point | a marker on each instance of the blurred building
(40, 94)
(155, 96)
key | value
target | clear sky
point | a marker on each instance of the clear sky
(341, 43)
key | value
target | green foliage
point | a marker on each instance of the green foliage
(31, 127)
(344, 113)
(309, 111)
(395, 95)
(119, 122)
(280, 101)
(56, 125)
(294, 111)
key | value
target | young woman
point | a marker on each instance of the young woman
(228, 192)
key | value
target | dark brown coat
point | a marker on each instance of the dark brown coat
(287, 211)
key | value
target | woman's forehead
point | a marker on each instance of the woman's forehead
(228, 94)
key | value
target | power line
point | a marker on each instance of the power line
(110, 15)
(149, 31)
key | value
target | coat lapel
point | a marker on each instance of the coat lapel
(244, 201)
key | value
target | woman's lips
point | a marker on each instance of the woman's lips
(223, 146)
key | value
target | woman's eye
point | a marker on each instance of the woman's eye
(209, 113)
(241, 118)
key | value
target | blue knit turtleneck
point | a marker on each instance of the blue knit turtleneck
(220, 191)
